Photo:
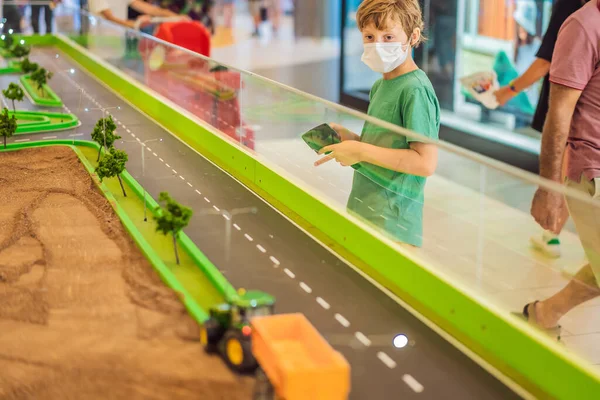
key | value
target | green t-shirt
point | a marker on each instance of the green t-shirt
(393, 201)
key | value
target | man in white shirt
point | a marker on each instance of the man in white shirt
(116, 11)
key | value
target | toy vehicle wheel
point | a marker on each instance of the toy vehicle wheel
(210, 333)
(263, 389)
(237, 352)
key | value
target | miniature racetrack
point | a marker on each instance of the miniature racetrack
(82, 313)
(343, 306)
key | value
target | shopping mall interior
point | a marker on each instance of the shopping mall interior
(457, 299)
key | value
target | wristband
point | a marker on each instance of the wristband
(513, 88)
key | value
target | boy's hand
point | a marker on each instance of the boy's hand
(346, 153)
(343, 133)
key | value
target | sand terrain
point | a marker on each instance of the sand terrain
(82, 313)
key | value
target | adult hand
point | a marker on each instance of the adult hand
(346, 153)
(548, 210)
(503, 95)
(343, 133)
(143, 20)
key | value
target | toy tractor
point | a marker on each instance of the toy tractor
(227, 331)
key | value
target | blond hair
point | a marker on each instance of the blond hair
(381, 12)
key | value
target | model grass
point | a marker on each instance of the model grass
(172, 218)
(37, 121)
(35, 84)
(8, 125)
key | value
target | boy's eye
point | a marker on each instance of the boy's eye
(369, 37)
(389, 37)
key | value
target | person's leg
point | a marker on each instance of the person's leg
(48, 14)
(584, 286)
(228, 11)
(35, 18)
(254, 8)
(275, 14)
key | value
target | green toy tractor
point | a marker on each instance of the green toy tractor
(227, 330)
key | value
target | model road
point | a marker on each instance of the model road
(270, 253)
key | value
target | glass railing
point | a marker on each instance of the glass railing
(470, 222)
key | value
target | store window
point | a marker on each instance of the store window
(464, 37)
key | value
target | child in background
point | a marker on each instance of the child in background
(388, 189)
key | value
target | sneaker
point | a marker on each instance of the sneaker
(548, 243)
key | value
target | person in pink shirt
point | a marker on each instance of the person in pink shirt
(572, 133)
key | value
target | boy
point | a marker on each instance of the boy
(387, 190)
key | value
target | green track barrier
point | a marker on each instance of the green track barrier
(529, 358)
(13, 67)
(48, 99)
(38, 122)
(214, 276)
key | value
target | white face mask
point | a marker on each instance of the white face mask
(385, 57)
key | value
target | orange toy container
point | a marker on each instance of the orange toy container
(297, 360)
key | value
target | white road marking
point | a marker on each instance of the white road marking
(386, 360)
(197, 191)
(261, 249)
(384, 217)
(236, 226)
(168, 166)
(323, 303)
(226, 217)
(371, 208)
(413, 383)
(207, 200)
(340, 318)
(362, 338)
(144, 144)
(49, 137)
(175, 172)
(132, 135)
(149, 149)
(155, 155)
(182, 178)
(289, 273)
(274, 260)
(248, 237)
(161, 160)
(305, 287)
(76, 134)
(189, 184)
(217, 209)
(138, 139)
(357, 199)
(22, 140)
(402, 227)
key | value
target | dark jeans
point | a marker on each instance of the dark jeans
(35, 18)
(13, 18)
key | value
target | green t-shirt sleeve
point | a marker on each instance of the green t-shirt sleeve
(421, 114)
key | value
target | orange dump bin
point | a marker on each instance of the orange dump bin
(297, 360)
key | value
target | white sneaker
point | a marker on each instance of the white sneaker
(548, 243)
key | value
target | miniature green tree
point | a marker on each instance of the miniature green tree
(40, 76)
(111, 165)
(104, 134)
(14, 92)
(8, 125)
(20, 50)
(172, 218)
(28, 66)
(7, 40)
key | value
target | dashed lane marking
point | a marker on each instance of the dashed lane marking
(236, 226)
(413, 383)
(387, 360)
(217, 209)
(274, 260)
(248, 237)
(362, 338)
(261, 249)
(343, 321)
(305, 287)
(323, 303)
(289, 273)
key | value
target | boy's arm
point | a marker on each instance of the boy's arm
(420, 159)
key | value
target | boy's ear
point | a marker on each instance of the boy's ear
(415, 37)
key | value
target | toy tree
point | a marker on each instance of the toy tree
(111, 165)
(41, 77)
(172, 218)
(20, 50)
(104, 134)
(8, 125)
(28, 66)
(14, 92)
